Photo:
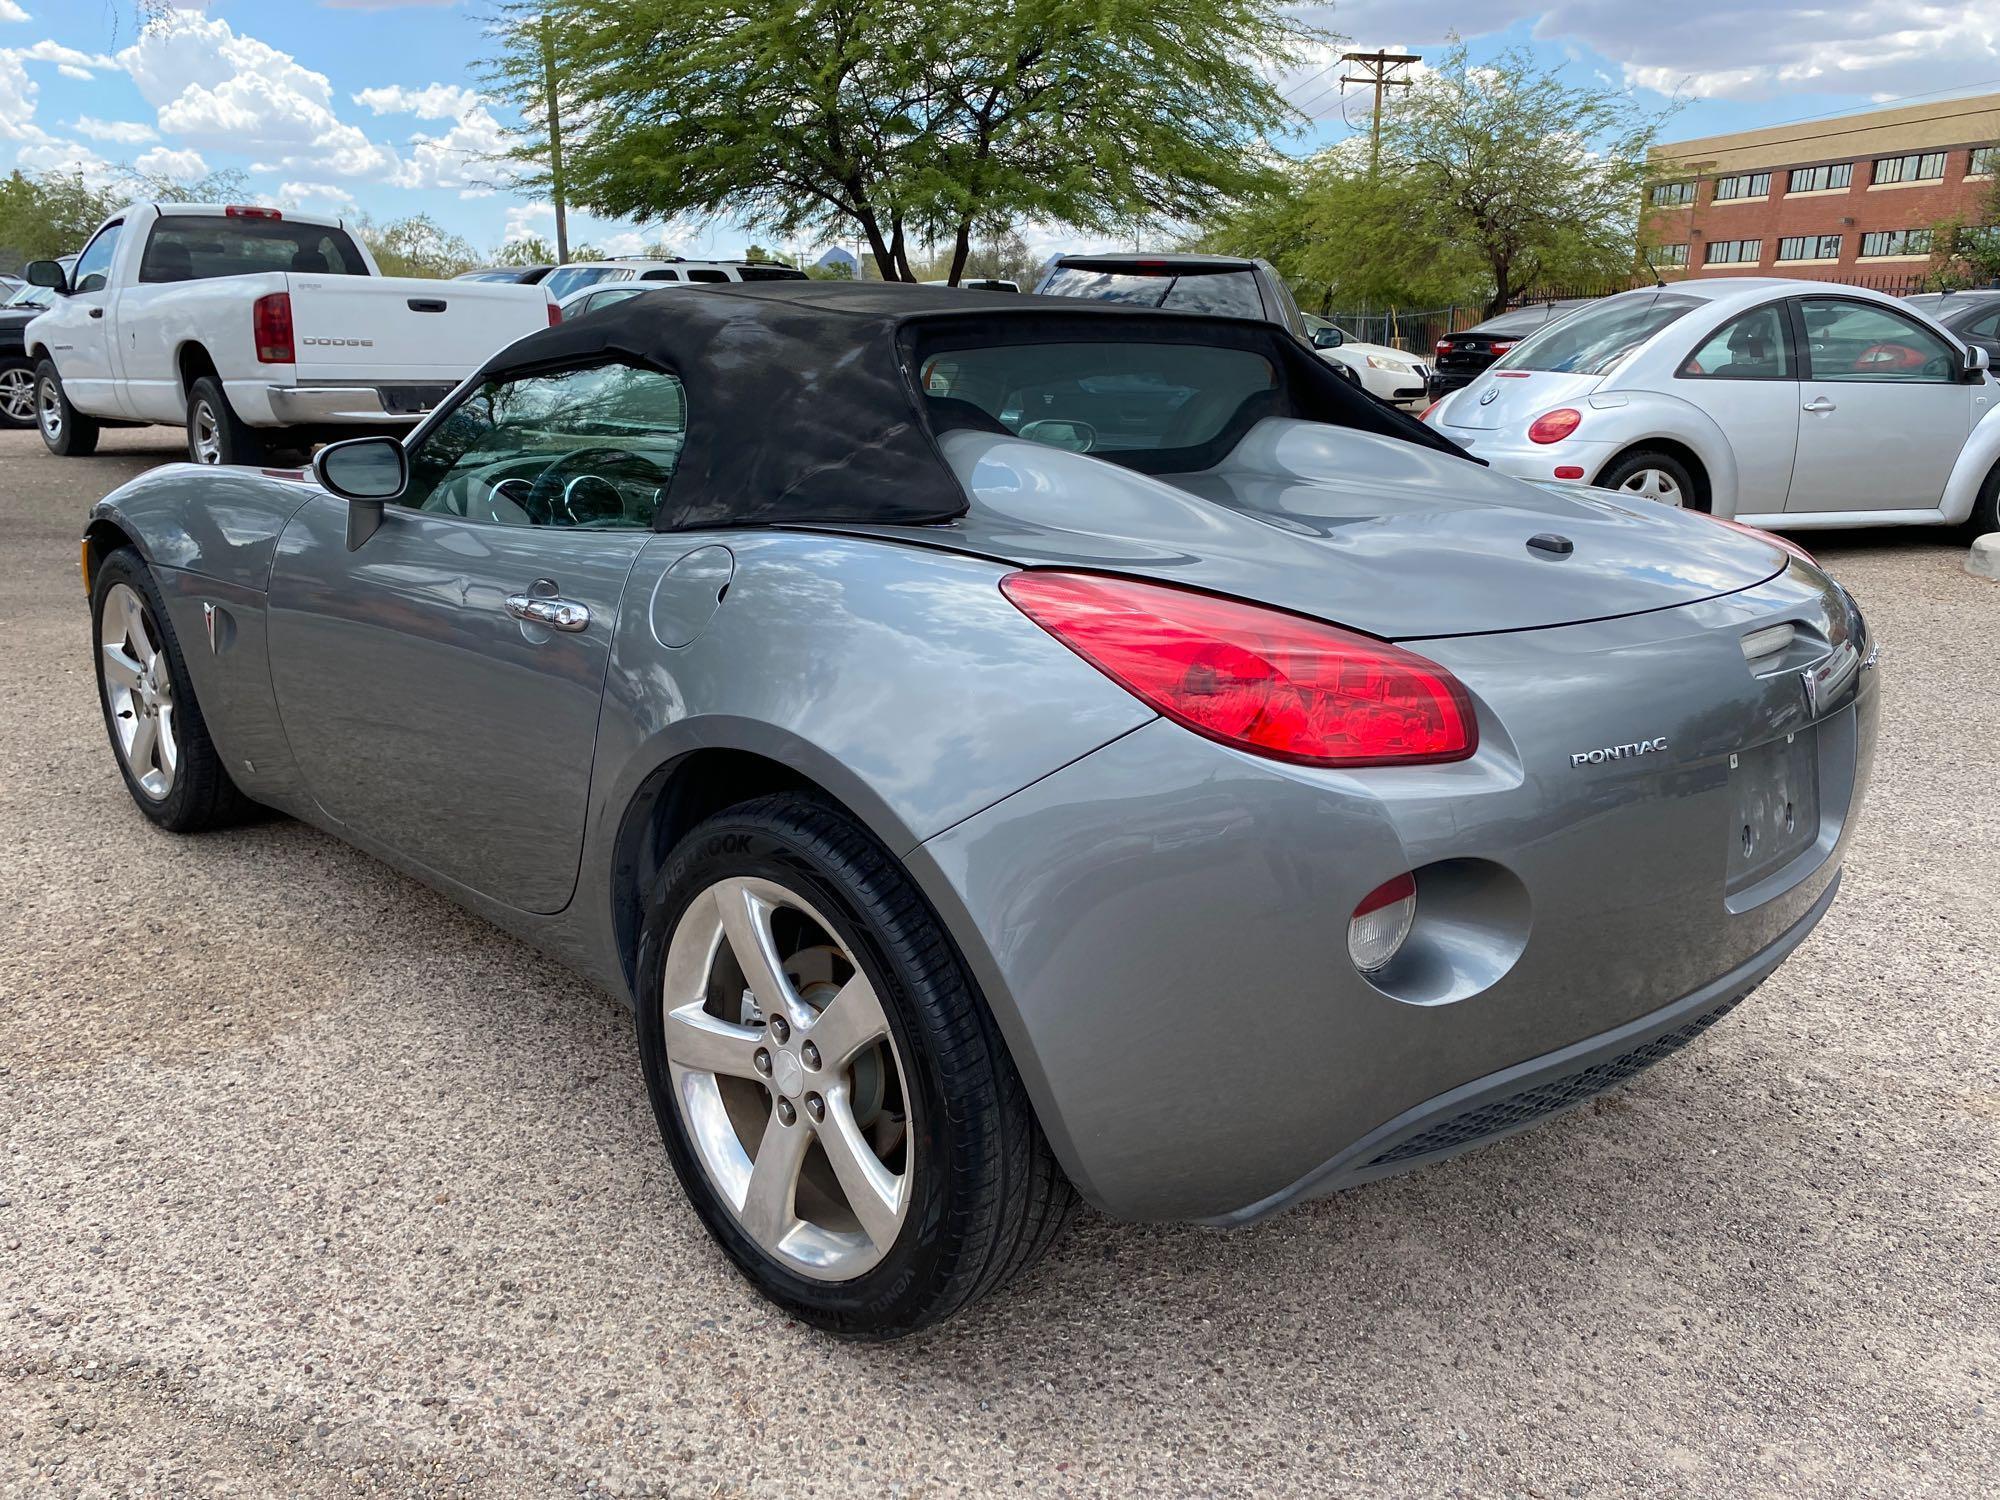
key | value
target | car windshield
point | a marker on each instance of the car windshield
(202, 247)
(30, 296)
(1229, 294)
(1105, 398)
(570, 278)
(1593, 341)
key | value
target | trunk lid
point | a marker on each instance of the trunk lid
(405, 328)
(1518, 397)
(1379, 535)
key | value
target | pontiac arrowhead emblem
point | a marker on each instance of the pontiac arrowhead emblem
(208, 623)
(1809, 680)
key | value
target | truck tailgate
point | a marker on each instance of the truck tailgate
(403, 328)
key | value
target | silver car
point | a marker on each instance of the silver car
(1008, 750)
(1791, 404)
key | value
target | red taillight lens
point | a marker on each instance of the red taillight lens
(1443, 347)
(271, 324)
(244, 211)
(1431, 408)
(1497, 350)
(555, 315)
(1554, 426)
(1256, 678)
(1569, 471)
(1768, 536)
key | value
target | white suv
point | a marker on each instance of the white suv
(573, 277)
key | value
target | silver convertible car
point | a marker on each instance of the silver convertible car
(1008, 749)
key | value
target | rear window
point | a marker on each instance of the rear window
(1227, 294)
(202, 247)
(1161, 400)
(1594, 340)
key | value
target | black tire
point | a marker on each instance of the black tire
(66, 432)
(201, 796)
(987, 1197)
(1639, 460)
(209, 413)
(17, 392)
(1985, 515)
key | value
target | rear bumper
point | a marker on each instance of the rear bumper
(1516, 1098)
(1160, 927)
(388, 404)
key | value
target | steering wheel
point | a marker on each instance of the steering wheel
(1877, 358)
(561, 498)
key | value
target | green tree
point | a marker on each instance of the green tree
(416, 246)
(817, 119)
(532, 251)
(50, 214)
(1965, 248)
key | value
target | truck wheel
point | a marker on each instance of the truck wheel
(67, 432)
(17, 393)
(833, 1094)
(215, 435)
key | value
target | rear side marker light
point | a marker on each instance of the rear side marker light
(1569, 471)
(1554, 426)
(271, 326)
(1381, 922)
(555, 315)
(1258, 679)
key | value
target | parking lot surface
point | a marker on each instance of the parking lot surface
(314, 1185)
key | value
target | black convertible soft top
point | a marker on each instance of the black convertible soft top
(803, 399)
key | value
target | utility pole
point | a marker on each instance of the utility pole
(1383, 70)
(555, 139)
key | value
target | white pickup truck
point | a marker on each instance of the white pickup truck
(256, 330)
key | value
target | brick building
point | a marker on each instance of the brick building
(1842, 199)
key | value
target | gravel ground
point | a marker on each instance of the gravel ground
(314, 1185)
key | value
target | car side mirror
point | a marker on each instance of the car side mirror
(1977, 362)
(1328, 337)
(48, 273)
(364, 472)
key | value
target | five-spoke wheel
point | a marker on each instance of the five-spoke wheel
(138, 690)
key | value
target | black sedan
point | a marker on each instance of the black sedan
(1461, 356)
(17, 371)
(1974, 315)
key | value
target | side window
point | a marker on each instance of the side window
(1860, 341)
(707, 275)
(591, 449)
(661, 276)
(93, 267)
(1752, 347)
(1986, 326)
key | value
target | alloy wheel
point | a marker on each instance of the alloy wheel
(17, 395)
(787, 1079)
(206, 432)
(139, 690)
(49, 410)
(1655, 484)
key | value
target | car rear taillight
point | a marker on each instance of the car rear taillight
(1426, 414)
(1255, 678)
(1496, 350)
(271, 324)
(555, 315)
(1381, 922)
(245, 211)
(1768, 536)
(1443, 347)
(1554, 426)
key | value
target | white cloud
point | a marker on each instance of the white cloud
(119, 132)
(463, 157)
(10, 11)
(322, 194)
(55, 52)
(527, 221)
(212, 87)
(436, 101)
(165, 161)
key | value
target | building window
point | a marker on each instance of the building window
(1809, 247)
(1668, 255)
(1747, 185)
(1896, 242)
(1819, 179)
(1926, 168)
(1733, 252)
(1673, 194)
(1985, 161)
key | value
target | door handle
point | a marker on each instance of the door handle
(97, 312)
(557, 614)
(1819, 403)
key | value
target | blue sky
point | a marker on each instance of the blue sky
(370, 104)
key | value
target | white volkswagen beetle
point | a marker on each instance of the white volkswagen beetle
(1788, 404)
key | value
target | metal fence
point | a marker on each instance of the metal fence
(1417, 330)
